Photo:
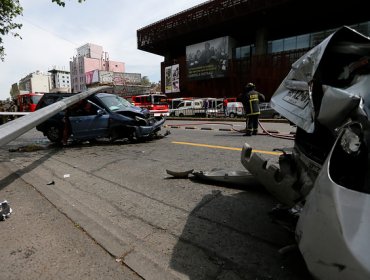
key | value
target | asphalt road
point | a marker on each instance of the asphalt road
(162, 227)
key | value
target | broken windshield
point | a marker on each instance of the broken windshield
(115, 103)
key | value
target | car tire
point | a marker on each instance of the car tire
(232, 115)
(181, 115)
(54, 133)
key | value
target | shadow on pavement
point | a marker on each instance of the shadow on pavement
(233, 237)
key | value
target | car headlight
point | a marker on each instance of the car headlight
(140, 119)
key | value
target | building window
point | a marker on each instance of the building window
(303, 41)
(277, 46)
(244, 52)
(290, 43)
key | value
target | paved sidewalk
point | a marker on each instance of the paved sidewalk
(39, 242)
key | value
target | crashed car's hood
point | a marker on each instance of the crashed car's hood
(335, 65)
(139, 111)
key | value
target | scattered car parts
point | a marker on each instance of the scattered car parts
(5, 210)
(218, 176)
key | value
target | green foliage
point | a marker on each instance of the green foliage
(9, 10)
(145, 81)
(62, 3)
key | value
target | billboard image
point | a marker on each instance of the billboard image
(92, 77)
(112, 78)
(208, 59)
(172, 78)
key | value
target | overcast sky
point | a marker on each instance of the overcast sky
(51, 35)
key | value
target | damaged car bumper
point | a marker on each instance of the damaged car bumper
(146, 131)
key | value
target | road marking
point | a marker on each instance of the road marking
(226, 148)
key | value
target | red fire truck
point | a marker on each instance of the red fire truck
(155, 103)
(27, 102)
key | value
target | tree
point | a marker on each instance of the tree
(9, 10)
(145, 81)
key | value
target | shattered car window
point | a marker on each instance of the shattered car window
(115, 103)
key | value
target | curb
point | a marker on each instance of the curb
(281, 120)
(115, 240)
(195, 128)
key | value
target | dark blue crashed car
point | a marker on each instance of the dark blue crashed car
(109, 116)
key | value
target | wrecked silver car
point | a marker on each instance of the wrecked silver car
(327, 96)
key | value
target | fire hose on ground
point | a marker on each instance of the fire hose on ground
(276, 134)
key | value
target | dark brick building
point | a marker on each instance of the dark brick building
(262, 38)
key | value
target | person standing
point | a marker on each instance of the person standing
(251, 99)
(224, 104)
(205, 106)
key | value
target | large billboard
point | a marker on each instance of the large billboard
(172, 78)
(112, 78)
(208, 59)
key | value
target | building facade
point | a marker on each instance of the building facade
(60, 80)
(90, 57)
(219, 46)
(35, 82)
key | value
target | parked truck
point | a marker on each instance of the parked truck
(193, 107)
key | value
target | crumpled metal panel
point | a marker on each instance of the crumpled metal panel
(334, 116)
(294, 98)
(327, 95)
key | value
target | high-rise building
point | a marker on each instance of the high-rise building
(90, 57)
(60, 80)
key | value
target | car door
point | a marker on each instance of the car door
(89, 124)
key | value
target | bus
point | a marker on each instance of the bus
(155, 103)
(26, 102)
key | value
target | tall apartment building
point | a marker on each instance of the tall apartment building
(91, 57)
(35, 82)
(60, 80)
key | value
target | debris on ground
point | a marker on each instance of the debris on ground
(5, 210)
(218, 176)
(28, 148)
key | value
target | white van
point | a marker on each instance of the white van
(234, 109)
(189, 108)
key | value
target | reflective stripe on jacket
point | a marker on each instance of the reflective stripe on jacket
(254, 107)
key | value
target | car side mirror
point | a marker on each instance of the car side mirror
(100, 112)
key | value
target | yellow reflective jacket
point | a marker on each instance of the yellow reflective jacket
(251, 102)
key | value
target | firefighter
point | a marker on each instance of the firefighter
(251, 99)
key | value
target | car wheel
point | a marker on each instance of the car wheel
(232, 115)
(93, 141)
(54, 134)
(181, 115)
(132, 137)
